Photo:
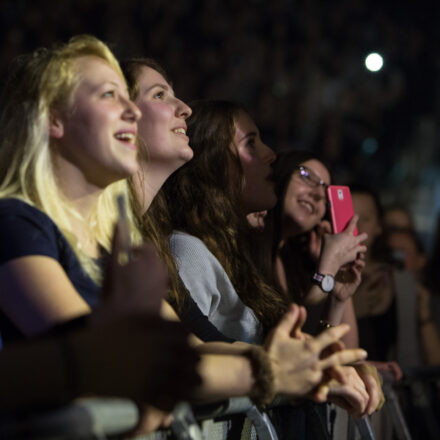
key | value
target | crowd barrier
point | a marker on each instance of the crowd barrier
(99, 419)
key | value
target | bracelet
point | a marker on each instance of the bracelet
(263, 390)
(324, 325)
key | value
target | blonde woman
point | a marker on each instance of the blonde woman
(68, 142)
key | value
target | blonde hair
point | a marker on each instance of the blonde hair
(38, 84)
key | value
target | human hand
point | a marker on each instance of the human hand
(348, 391)
(348, 280)
(342, 248)
(296, 364)
(140, 357)
(389, 367)
(133, 286)
(368, 373)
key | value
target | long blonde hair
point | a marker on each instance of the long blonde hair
(38, 84)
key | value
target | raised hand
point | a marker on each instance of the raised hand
(132, 285)
(340, 249)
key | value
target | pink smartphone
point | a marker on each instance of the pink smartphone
(341, 207)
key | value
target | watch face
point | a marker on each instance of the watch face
(328, 283)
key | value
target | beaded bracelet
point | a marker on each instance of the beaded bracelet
(263, 390)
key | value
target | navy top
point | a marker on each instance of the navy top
(25, 230)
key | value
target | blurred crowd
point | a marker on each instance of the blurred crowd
(298, 65)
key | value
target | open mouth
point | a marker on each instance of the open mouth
(127, 138)
(308, 206)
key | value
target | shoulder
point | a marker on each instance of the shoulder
(188, 248)
(25, 230)
(18, 209)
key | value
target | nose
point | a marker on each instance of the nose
(182, 110)
(131, 110)
(318, 193)
(268, 154)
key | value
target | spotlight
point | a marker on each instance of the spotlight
(374, 62)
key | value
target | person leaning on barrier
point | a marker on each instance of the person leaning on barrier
(165, 151)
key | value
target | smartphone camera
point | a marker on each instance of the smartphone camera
(340, 194)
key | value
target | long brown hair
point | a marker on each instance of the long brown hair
(155, 223)
(204, 200)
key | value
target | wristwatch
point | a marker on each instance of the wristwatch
(325, 282)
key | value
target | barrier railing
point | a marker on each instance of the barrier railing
(97, 418)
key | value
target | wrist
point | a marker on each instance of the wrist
(264, 387)
(327, 267)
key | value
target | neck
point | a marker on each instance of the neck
(81, 195)
(148, 182)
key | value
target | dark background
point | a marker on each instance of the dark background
(297, 65)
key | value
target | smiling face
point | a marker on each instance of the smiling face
(95, 136)
(304, 202)
(256, 159)
(162, 127)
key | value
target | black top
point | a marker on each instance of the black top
(196, 322)
(24, 231)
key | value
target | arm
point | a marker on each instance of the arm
(36, 294)
(332, 252)
(351, 339)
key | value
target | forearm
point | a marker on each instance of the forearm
(33, 374)
(351, 339)
(224, 376)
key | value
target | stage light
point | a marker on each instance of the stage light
(374, 62)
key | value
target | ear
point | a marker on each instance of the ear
(56, 126)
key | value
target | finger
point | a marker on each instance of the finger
(361, 237)
(320, 395)
(343, 358)
(352, 224)
(326, 227)
(331, 335)
(396, 370)
(302, 315)
(337, 373)
(360, 248)
(354, 401)
(287, 322)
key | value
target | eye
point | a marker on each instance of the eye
(159, 95)
(250, 143)
(109, 94)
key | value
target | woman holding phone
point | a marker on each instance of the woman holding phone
(300, 243)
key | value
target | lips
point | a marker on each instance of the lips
(128, 137)
(307, 205)
(181, 132)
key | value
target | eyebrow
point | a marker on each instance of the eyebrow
(160, 85)
(113, 83)
(247, 135)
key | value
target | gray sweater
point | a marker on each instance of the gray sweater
(212, 290)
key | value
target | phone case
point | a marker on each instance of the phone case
(341, 207)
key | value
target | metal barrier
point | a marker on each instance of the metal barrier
(99, 419)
